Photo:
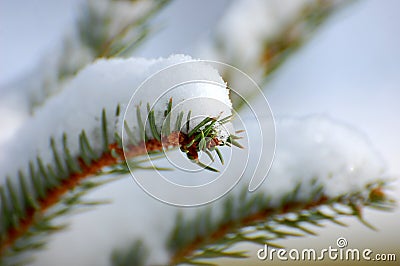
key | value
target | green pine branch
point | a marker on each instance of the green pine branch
(30, 207)
(254, 218)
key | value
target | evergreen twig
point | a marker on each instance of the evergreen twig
(27, 213)
(257, 220)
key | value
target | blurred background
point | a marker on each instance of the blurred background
(349, 70)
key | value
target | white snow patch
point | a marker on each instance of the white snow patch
(340, 158)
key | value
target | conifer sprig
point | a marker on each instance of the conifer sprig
(255, 219)
(27, 212)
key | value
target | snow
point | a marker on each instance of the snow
(241, 36)
(340, 157)
(14, 111)
(105, 84)
(248, 24)
(192, 86)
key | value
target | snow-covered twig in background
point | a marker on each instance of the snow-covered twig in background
(104, 28)
(259, 35)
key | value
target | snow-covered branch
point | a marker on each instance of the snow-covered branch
(259, 35)
(78, 134)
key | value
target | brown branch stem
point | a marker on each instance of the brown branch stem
(232, 226)
(54, 195)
